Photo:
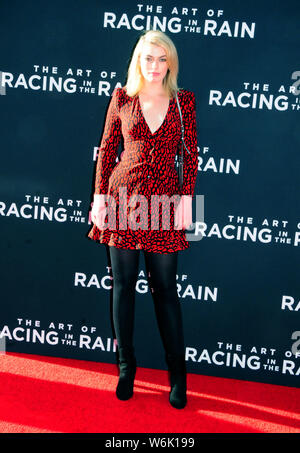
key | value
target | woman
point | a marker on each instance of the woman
(145, 113)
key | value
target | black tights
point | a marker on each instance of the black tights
(162, 268)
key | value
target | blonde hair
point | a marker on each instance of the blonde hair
(134, 76)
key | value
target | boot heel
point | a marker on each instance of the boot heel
(127, 367)
(177, 368)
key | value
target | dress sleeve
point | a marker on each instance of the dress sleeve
(109, 145)
(190, 161)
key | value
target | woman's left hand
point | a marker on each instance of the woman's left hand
(183, 214)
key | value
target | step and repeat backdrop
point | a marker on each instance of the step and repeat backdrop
(238, 282)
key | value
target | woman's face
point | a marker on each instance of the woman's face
(153, 63)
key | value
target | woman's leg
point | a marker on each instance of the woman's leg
(163, 269)
(125, 271)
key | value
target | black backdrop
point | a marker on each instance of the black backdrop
(239, 280)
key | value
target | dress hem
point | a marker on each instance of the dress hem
(138, 247)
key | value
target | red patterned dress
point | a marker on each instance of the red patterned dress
(146, 168)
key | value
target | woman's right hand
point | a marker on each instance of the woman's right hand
(99, 211)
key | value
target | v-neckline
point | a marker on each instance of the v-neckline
(153, 133)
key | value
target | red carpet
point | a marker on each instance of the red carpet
(53, 395)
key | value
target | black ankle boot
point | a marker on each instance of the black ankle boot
(127, 367)
(177, 369)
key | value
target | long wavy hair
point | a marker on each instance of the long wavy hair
(135, 79)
